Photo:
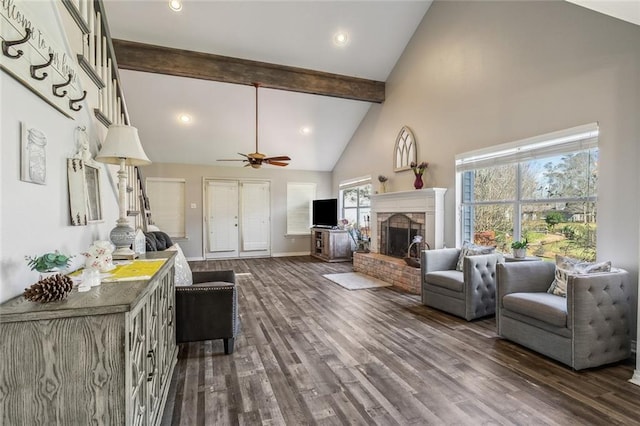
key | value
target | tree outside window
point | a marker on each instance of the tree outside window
(548, 199)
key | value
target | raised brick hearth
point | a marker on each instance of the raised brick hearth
(388, 269)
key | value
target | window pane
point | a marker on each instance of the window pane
(351, 215)
(491, 184)
(563, 176)
(365, 195)
(492, 225)
(350, 197)
(568, 229)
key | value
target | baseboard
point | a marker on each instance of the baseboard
(290, 254)
(193, 259)
(636, 378)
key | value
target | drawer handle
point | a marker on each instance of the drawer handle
(151, 354)
(170, 315)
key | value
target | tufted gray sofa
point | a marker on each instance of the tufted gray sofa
(469, 294)
(588, 328)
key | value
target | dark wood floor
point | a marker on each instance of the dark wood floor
(311, 352)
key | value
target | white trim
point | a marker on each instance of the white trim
(568, 140)
(355, 182)
(291, 254)
(636, 378)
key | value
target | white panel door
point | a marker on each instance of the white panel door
(222, 218)
(255, 218)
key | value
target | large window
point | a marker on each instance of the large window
(542, 189)
(355, 202)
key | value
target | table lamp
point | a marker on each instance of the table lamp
(122, 146)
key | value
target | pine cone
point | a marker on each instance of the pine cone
(50, 289)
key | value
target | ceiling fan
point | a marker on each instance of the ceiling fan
(256, 159)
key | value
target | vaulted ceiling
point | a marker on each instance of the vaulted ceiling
(296, 34)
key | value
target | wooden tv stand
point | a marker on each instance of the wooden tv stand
(331, 245)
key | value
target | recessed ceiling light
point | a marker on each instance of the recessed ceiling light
(305, 130)
(184, 118)
(340, 38)
(175, 5)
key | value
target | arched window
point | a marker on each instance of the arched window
(405, 150)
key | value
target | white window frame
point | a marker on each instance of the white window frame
(168, 211)
(353, 183)
(299, 211)
(572, 140)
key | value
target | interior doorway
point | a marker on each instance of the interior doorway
(237, 218)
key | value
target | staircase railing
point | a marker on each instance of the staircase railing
(98, 60)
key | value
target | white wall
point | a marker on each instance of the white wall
(34, 219)
(481, 73)
(194, 175)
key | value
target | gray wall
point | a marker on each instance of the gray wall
(481, 73)
(195, 174)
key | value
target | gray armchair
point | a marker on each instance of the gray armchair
(208, 309)
(588, 328)
(469, 294)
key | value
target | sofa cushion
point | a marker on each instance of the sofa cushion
(452, 280)
(566, 266)
(470, 249)
(544, 307)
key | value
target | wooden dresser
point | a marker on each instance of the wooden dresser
(103, 357)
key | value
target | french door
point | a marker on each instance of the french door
(237, 219)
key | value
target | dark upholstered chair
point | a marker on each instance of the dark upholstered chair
(470, 294)
(208, 309)
(588, 328)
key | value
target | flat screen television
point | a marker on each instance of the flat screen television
(325, 213)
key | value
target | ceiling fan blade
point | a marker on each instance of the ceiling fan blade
(278, 158)
(277, 163)
(244, 155)
(226, 159)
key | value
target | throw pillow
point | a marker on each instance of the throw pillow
(183, 275)
(566, 266)
(470, 249)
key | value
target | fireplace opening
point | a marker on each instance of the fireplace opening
(396, 234)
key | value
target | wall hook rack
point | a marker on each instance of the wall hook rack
(72, 102)
(7, 44)
(35, 68)
(56, 87)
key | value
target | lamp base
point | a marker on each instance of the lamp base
(122, 236)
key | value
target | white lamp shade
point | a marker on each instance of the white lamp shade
(122, 142)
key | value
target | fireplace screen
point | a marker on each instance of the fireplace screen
(396, 234)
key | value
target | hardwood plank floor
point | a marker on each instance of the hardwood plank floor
(313, 353)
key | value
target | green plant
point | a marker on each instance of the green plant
(520, 244)
(48, 261)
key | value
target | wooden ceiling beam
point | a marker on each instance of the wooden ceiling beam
(186, 63)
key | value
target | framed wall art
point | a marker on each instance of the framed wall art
(33, 155)
(85, 204)
(405, 150)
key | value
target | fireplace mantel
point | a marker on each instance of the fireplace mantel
(429, 201)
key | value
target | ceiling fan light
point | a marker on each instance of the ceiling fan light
(255, 165)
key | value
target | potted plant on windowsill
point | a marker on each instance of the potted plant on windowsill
(520, 248)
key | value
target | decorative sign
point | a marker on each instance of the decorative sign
(33, 155)
(405, 151)
(32, 53)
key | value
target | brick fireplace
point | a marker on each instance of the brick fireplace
(424, 210)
